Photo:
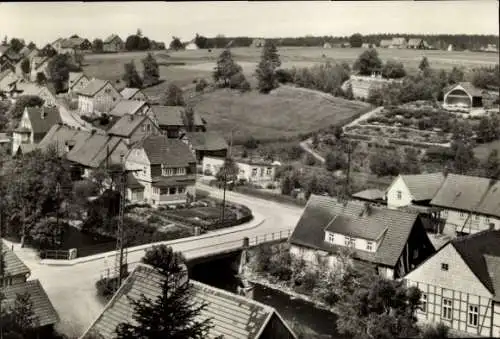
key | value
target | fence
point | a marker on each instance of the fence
(59, 254)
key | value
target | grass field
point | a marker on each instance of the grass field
(286, 112)
(482, 151)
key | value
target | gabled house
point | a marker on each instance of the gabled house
(233, 316)
(113, 43)
(413, 189)
(15, 272)
(132, 128)
(39, 65)
(129, 93)
(190, 45)
(77, 81)
(391, 241)
(468, 204)
(27, 88)
(416, 43)
(99, 96)
(167, 171)
(386, 43)
(8, 80)
(34, 125)
(208, 143)
(131, 107)
(254, 170)
(171, 120)
(398, 42)
(463, 95)
(460, 285)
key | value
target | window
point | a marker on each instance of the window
(254, 172)
(444, 267)
(445, 213)
(423, 302)
(163, 191)
(269, 171)
(180, 171)
(350, 242)
(331, 237)
(486, 220)
(166, 171)
(181, 190)
(462, 215)
(473, 315)
(172, 190)
(447, 308)
(261, 172)
(399, 195)
(476, 217)
(369, 246)
(148, 127)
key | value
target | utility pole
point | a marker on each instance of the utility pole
(120, 253)
(224, 191)
(58, 194)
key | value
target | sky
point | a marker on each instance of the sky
(45, 22)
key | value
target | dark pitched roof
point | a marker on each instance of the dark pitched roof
(423, 186)
(162, 150)
(93, 87)
(490, 204)
(233, 316)
(132, 181)
(129, 92)
(370, 194)
(354, 219)
(206, 141)
(127, 125)
(468, 87)
(473, 249)
(72, 42)
(461, 192)
(41, 123)
(59, 135)
(74, 77)
(172, 116)
(93, 151)
(13, 265)
(127, 107)
(111, 38)
(42, 307)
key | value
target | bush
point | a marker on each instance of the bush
(154, 219)
(284, 76)
(271, 186)
(237, 80)
(310, 160)
(251, 143)
(106, 287)
(201, 85)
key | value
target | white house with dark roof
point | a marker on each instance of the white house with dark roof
(391, 241)
(167, 171)
(133, 128)
(233, 316)
(99, 96)
(129, 93)
(460, 285)
(418, 189)
(113, 44)
(77, 81)
(132, 107)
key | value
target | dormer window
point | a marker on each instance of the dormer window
(166, 172)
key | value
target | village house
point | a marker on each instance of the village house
(77, 81)
(257, 43)
(468, 204)
(14, 282)
(190, 45)
(398, 43)
(327, 45)
(172, 122)
(463, 96)
(99, 96)
(34, 125)
(129, 93)
(416, 43)
(366, 45)
(362, 85)
(9, 59)
(133, 107)
(386, 43)
(8, 79)
(113, 44)
(256, 171)
(203, 144)
(39, 65)
(460, 285)
(413, 189)
(392, 242)
(132, 128)
(233, 316)
(26, 88)
(166, 171)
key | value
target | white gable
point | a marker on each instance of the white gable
(398, 194)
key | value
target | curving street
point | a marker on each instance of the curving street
(71, 288)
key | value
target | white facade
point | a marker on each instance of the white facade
(452, 294)
(254, 173)
(467, 222)
(102, 102)
(79, 84)
(19, 138)
(398, 194)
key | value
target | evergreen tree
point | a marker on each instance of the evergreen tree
(173, 96)
(463, 157)
(266, 69)
(131, 76)
(424, 65)
(25, 66)
(226, 68)
(59, 67)
(171, 314)
(151, 73)
(188, 119)
(411, 163)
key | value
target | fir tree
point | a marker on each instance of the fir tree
(226, 68)
(266, 70)
(131, 76)
(151, 74)
(424, 65)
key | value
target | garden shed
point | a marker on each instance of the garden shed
(463, 95)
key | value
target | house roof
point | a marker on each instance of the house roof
(129, 92)
(162, 181)
(423, 186)
(461, 192)
(43, 124)
(25, 51)
(39, 61)
(27, 148)
(93, 151)
(354, 219)
(206, 141)
(13, 265)
(474, 248)
(111, 38)
(127, 125)
(93, 87)
(72, 42)
(132, 181)
(3, 49)
(59, 135)
(31, 89)
(233, 316)
(493, 267)
(172, 116)
(162, 150)
(490, 203)
(398, 41)
(75, 76)
(414, 42)
(468, 87)
(124, 107)
(370, 194)
(44, 311)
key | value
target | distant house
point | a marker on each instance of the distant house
(8, 80)
(129, 93)
(256, 171)
(418, 189)
(39, 65)
(233, 316)
(463, 96)
(34, 125)
(190, 46)
(132, 128)
(469, 204)
(327, 45)
(366, 45)
(391, 242)
(490, 48)
(416, 43)
(133, 107)
(450, 48)
(386, 43)
(362, 85)
(398, 43)
(77, 81)
(460, 285)
(208, 143)
(99, 96)
(113, 44)
(171, 120)
(167, 171)
(257, 43)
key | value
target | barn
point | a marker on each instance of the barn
(463, 95)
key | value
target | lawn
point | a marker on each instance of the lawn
(286, 112)
(482, 151)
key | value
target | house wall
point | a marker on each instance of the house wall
(106, 99)
(359, 244)
(474, 223)
(212, 165)
(47, 96)
(22, 138)
(85, 105)
(79, 84)
(147, 127)
(43, 68)
(12, 280)
(276, 329)
(393, 199)
(114, 46)
(458, 283)
(257, 173)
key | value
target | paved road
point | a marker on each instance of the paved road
(71, 288)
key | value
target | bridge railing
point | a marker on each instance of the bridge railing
(252, 241)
